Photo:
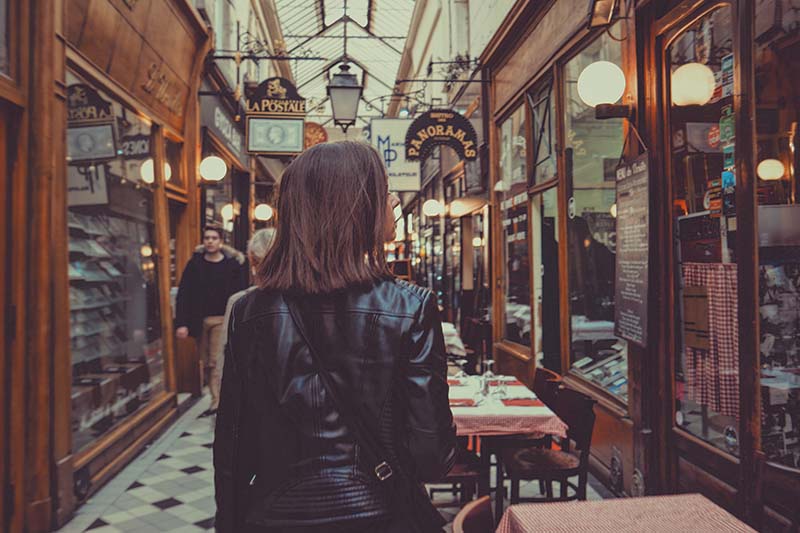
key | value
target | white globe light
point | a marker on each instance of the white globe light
(602, 82)
(227, 212)
(477, 242)
(613, 210)
(263, 212)
(213, 168)
(770, 169)
(167, 171)
(432, 208)
(147, 171)
(692, 84)
(146, 250)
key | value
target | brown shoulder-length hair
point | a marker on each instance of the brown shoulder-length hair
(332, 205)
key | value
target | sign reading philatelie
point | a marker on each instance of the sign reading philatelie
(388, 136)
(633, 248)
(441, 127)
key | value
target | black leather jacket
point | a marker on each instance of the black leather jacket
(282, 453)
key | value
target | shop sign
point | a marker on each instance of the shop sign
(90, 126)
(216, 117)
(388, 136)
(136, 146)
(315, 134)
(633, 230)
(275, 119)
(441, 127)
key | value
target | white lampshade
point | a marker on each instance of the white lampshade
(692, 84)
(213, 168)
(227, 212)
(263, 212)
(344, 92)
(770, 169)
(602, 82)
(432, 208)
(477, 242)
(146, 250)
(613, 210)
(147, 171)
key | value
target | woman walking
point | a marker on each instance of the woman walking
(334, 399)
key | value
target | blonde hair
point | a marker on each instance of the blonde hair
(259, 245)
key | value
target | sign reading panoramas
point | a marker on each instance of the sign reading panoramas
(441, 127)
(275, 119)
(388, 136)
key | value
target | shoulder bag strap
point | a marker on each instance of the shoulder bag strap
(365, 439)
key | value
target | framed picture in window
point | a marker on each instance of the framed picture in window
(91, 142)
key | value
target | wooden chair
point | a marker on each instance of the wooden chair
(779, 486)
(548, 465)
(475, 517)
(545, 386)
(463, 478)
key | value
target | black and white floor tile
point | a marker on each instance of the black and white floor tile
(170, 486)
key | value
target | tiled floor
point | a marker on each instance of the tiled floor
(170, 487)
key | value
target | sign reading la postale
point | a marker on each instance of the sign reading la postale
(276, 96)
(84, 104)
(441, 126)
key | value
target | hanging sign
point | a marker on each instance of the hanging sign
(275, 119)
(633, 230)
(388, 136)
(437, 127)
(90, 126)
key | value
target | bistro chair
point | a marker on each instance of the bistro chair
(475, 517)
(548, 465)
(780, 486)
(545, 386)
(463, 478)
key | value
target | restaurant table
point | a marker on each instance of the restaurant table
(653, 514)
(517, 412)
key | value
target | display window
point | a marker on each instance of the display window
(515, 234)
(220, 209)
(777, 65)
(593, 151)
(543, 108)
(545, 259)
(701, 84)
(115, 319)
(173, 172)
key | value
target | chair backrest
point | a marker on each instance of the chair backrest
(475, 517)
(779, 487)
(577, 411)
(545, 385)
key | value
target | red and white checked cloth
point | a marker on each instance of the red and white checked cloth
(655, 514)
(493, 418)
(712, 376)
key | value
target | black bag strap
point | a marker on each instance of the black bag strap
(374, 452)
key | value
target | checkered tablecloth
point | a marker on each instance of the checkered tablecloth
(492, 417)
(712, 376)
(654, 514)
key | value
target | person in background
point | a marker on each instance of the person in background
(212, 275)
(257, 249)
(290, 456)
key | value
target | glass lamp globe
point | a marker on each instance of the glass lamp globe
(263, 212)
(213, 168)
(227, 212)
(692, 84)
(432, 208)
(602, 82)
(147, 171)
(770, 170)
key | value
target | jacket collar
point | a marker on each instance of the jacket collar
(228, 251)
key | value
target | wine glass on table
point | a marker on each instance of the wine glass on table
(461, 374)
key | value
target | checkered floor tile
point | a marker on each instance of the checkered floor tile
(170, 486)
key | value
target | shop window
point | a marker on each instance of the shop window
(542, 106)
(514, 214)
(777, 160)
(700, 76)
(593, 150)
(220, 208)
(5, 39)
(544, 258)
(115, 319)
(174, 172)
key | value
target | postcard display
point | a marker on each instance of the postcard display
(117, 359)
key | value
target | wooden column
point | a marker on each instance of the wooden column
(45, 132)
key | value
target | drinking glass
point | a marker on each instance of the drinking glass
(461, 374)
(488, 373)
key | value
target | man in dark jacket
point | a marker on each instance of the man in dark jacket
(213, 274)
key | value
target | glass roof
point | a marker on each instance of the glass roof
(376, 33)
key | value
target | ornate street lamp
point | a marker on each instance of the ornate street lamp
(344, 92)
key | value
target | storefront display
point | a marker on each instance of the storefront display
(116, 337)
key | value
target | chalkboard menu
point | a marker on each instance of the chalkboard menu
(633, 226)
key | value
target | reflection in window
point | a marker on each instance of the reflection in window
(115, 319)
(514, 213)
(173, 173)
(593, 152)
(543, 107)
(547, 332)
(777, 120)
(701, 67)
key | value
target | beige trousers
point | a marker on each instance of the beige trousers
(211, 347)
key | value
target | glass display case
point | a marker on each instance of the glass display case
(115, 318)
(593, 150)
